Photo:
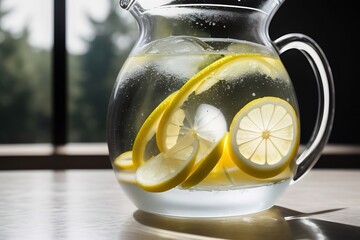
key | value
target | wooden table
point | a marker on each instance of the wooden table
(89, 204)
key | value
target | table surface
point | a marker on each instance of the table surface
(89, 204)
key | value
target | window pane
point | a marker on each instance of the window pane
(25, 70)
(100, 35)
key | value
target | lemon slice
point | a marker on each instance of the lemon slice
(168, 169)
(225, 161)
(204, 166)
(147, 131)
(124, 161)
(264, 137)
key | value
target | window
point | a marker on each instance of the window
(99, 40)
(25, 71)
(53, 98)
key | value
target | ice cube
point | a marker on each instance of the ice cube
(177, 45)
(246, 47)
(181, 56)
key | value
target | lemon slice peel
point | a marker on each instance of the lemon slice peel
(148, 130)
(124, 161)
(206, 164)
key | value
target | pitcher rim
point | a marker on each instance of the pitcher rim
(128, 4)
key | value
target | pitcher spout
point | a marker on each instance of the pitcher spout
(126, 4)
(245, 20)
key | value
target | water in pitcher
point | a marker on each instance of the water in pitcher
(203, 117)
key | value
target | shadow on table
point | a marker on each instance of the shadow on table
(275, 223)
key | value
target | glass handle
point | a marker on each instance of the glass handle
(326, 98)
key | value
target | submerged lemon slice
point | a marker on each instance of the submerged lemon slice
(264, 137)
(206, 164)
(147, 131)
(168, 169)
(124, 161)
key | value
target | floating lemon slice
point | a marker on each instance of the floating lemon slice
(169, 169)
(147, 131)
(264, 137)
(124, 161)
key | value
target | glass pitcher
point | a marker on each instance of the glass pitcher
(203, 120)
